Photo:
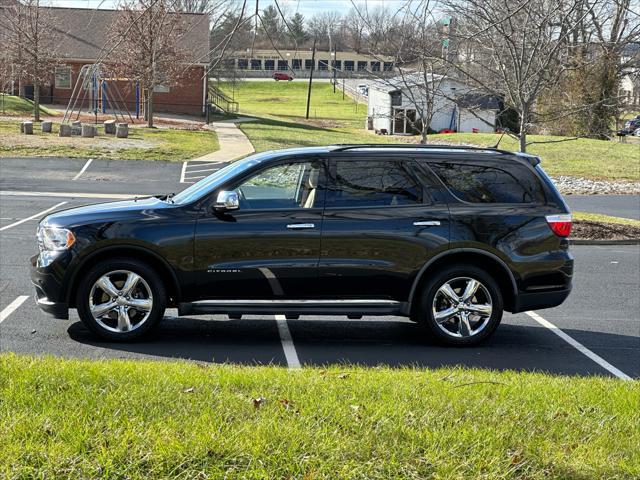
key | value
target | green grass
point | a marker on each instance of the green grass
(599, 218)
(143, 144)
(19, 106)
(596, 159)
(140, 419)
(288, 100)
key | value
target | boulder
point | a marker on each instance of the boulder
(122, 130)
(76, 128)
(27, 127)
(65, 130)
(46, 127)
(88, 131)
(110, 127)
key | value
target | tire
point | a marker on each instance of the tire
(483, 310)
(111, 311)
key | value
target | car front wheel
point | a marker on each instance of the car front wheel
(461, 305)
(121, 299)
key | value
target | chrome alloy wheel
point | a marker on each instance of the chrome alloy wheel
(462, 307)
(120, 301)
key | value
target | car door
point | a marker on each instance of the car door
(270, 246)
(380, 226)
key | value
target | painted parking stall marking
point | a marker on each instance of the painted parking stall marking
(195, 170)
(578, 346)
(293, 362)
(84, 169)
(12, 307)
(32, 217)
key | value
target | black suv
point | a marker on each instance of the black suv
(447, 236)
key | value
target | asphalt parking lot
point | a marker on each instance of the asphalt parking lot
(596, 331)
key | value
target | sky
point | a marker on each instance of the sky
(306, 7)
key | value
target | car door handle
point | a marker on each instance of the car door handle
(300, 226)
(427, 223)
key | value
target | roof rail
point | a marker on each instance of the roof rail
(340, 147)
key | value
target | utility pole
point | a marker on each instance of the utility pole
(313, 64)
(335, 57)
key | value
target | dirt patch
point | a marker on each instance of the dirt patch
(52, 140)
(585, 230)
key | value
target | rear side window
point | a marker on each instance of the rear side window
(373, 183)
(475, 183)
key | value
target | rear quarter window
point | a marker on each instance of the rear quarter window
(479, 183)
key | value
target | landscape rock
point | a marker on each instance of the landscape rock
(122, 130)
(584, 186)
(76, 128)
(46, 126)
(88, 131)
(65, 130)
(27, 128)
(110, 127)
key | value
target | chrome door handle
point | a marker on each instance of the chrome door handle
(427, 223)
(300, 226)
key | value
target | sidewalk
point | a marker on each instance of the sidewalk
(233, 143)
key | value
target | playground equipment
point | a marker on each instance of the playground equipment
(95, 85)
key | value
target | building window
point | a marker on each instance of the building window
(283, 64)
(387, 66)
(269, 65)
(308, 64)
(296, 63)
(348, 65)
(362, 66)
(63, 77)
(161, 89)
(323, 64)
(243, 64)
(337, 64)
(256, 64)
(375, 66)
(396, 98)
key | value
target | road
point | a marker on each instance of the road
(626, 206)
(602, 314)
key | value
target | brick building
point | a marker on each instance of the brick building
(82, 38)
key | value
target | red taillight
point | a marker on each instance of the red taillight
(560, 224)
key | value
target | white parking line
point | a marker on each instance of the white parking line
(12, 307)
(578, 346)
(202, 166)
(86, 165)
(184, 168)
(32, 217)
(287, 343)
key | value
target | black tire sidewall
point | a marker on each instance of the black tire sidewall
(425, 314)
(147, 273)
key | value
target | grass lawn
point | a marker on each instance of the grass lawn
(142, 144)
(587, 158)
(288, 100)
(599, 218)
(141, 419)
(19, 106)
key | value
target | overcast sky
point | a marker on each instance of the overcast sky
(305, 7)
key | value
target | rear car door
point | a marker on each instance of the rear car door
(381, 225)
(270, 246)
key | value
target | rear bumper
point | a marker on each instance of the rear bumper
(539, 300)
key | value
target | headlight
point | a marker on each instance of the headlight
(54, 239)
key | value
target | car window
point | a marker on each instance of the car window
(476, 183)
(373, 183)
(293, 185)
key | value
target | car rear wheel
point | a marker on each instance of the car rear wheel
(461, 305)
(121, 299)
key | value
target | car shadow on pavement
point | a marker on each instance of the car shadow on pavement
(393, 343)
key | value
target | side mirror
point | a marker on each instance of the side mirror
(227, 200)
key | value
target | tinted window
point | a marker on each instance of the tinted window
(373, 183)
(476, 183)
(293, 185)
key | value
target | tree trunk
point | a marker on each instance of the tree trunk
(36, 100)
(524, 117)
(423, 134)
(150, 107)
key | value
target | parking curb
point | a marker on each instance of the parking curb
(584, 241)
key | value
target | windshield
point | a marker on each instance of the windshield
(210, 183)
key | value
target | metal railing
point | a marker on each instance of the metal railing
(218, 98)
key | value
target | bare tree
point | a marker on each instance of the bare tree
(30, 45)
(515, 50)
(149, 33)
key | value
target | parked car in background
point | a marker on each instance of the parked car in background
(447, 236)
(363, 89)
(277, 76)
(630, 127)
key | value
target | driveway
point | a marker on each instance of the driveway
(626, 206)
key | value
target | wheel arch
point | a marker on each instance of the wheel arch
(133, 252)
(486, 260)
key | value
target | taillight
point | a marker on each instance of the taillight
(560, 224)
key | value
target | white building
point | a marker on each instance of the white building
(395, 105)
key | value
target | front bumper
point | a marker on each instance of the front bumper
(47, 282)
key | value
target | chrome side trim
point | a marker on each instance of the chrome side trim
(300, 226)
(296, 302)
(427, 223)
